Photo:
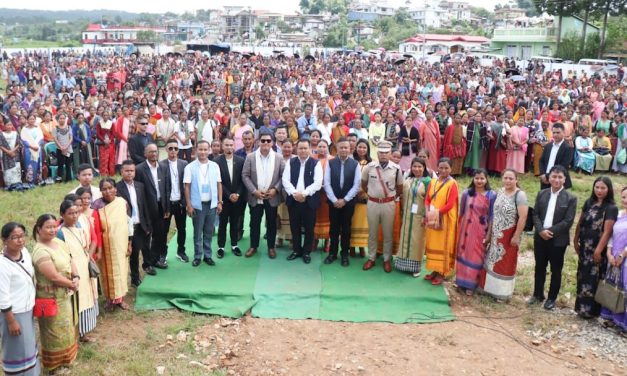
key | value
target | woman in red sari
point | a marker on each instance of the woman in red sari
(475, 213)
(455, 145)
(430, 136)
(503, 238)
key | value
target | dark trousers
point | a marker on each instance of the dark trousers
(302, 217)
(177, 210)
(340, 228)
(64, 166)
(140, 243)
(159, 244)
(546, 253)
(256, 212)
(231, 215)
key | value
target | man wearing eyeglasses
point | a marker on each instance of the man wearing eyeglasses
(139, 140)
(174, 196)
(262, 177)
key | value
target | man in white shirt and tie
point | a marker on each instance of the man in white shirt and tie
(553, 216)
(302, 181)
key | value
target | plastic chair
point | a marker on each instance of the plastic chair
(51, 148)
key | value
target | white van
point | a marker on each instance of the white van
(595, 62)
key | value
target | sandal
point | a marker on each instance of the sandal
(608, 324)
(417, 274)
(429, 277)
(124, 306)
(110, 307)
(469, 292)
(436, 281)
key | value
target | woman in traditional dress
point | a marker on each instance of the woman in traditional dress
(602, 148)
(359, 225)
(105, 139)
(475, 214)
(57, 279)
(10, 145)
(455, 145)
(409, 140)
(338, 130)
(621, 144)
(585, 158)
(441, 234)
(593, 232)
(323, 223)
(77, 236)
(412, 239)
(473, 144)
(114, 245)
(519, 135)
(17, 299)
(430, 136)
(604, 123)
(33, 140)
(498, 145)
(539, 139)
(617, 267)
(81, 140)
(376, 133)
(283, 229)
(503, 239)
(121, 131)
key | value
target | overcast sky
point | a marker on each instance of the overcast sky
(184, 5)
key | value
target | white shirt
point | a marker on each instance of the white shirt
(134, 208)
(553, 156)
(229, 166)
(550, 210)
(175, 193)
(203, 179)
(300, 185)
(155, 177)
(17, 289)
(95, 192)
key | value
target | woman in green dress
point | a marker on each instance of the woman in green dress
(56, 279)
(412, 247)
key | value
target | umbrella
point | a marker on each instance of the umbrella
(277, 52)
(310, 58)
(297, 56)
(247, 55)
(517, 78)
(400, 61)
(407, 56)
(511, 71)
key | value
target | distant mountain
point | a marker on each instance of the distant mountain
(27, 16)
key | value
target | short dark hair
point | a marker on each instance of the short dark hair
(342, 139)
(558, 168)
(8, 228)
(558, 126)
(83, 166)
(171, 140)
(203, 142)
(352, 135)
(266, 133)
(82, 190)
(306, 140)
(128, 162)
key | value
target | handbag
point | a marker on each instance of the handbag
(610, 295)
(45, 307)
(94, 270)
(621, 157)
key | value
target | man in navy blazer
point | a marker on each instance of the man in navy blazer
(302, 181)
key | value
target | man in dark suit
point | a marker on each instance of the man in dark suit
(174, 196)
(302, 180)
(556, 153)
(261, 175)
(153, 179)
(553, 216)
(139, 140)
(342, 179)
(233, 195)
(133, 192)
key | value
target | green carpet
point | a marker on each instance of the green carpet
(291, 289)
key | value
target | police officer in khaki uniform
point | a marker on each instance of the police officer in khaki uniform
(383, 181)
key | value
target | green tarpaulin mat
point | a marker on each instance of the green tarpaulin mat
(291, 289)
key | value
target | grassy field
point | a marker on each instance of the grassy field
(132, 343)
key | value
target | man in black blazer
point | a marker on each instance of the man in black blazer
(153, 179)
(553, 216)
(556, 153)
(233, 195)
(138, 141)
(174, 196)
(302, 181)
(133, 192)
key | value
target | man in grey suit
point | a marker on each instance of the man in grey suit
(261, 175)
(553, 216)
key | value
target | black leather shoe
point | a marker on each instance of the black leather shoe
(209, 261)
(293, 256)
(330, 259)
(196, 262)
(306, 259)
(162, 263)
(549, 304)
(534, 300)
(135, 282)
(236, 251)
(182, 257)
(344, 261)
(150, 270)
(220, 253)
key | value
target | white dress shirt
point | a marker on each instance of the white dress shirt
(553, 156)
(133, 196)
(229, 166)
(550, 210)
(175, 193)
(155, 177)
(300, 185)
(354, 189)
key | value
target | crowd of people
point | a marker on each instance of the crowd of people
(338, 153)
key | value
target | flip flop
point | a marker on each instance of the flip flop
(437, 281)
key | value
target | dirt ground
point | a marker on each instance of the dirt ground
(482, 341)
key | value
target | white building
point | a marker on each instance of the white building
(428, 14)
(370, 10)
(457, 10)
